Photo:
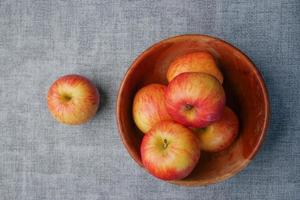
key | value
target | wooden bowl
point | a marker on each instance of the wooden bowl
(245, 91)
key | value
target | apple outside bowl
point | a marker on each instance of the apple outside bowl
(245, 92)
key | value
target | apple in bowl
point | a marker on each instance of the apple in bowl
(194, 62)
(73, 99)
(219, 135)
(170, 151)
(149, 107)
(195, 99)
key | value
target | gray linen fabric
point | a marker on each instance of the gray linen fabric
(42, 40)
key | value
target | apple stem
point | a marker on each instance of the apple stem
(67, 97)
(188, 107)
(165, 144)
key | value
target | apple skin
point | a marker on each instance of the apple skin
(194, 62)
(220, 134)
(170, 151)
(149, 107)
(195, 99)
(73, 99)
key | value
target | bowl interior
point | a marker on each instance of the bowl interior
(245, 94)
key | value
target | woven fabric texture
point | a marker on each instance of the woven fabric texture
(41, 40)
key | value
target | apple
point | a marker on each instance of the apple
(73, 99)
(194, 62)
(220, 134)
(170, 151)
(149, 107)
(195, 99)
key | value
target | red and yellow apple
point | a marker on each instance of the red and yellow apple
(220, 134)
(195, 99)
(149, 107)
(73, 99)
(194, 62)
(170, 151)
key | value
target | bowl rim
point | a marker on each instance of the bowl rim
(267, 111)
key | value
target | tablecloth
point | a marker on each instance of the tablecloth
(41, 40)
